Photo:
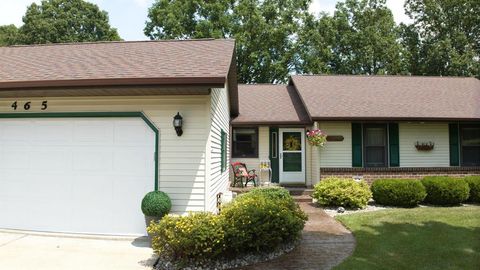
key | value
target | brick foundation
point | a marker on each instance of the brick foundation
(370, 174)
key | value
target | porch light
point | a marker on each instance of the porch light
(177, 124)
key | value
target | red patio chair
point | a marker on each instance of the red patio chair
(241, 172)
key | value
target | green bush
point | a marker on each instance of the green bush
(398, 192)
(156, 204)
(271, 193)
(443, 190)
(342, 192)
(198, 236)
(474, 184)
(261, 219)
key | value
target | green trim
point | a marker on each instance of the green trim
(394, 145)
(273, 154)
(223, 152)
(95, 115)
(357, 155)
(454, 139)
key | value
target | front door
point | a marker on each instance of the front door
(292, 156)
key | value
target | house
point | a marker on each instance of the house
(377, 126)
(86, 131)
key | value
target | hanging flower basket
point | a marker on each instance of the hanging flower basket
(316, 137)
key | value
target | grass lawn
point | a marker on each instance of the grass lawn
(419, 238)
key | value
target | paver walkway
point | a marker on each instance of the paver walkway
(325, 243)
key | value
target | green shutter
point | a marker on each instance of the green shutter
(454, 148)
(357, 145)
(223, 151)
(393, 141)
(273, 143)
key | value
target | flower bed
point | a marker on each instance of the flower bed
(257, 225)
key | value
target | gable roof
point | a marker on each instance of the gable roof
(270, 104)
(173, 62)
(342, 97)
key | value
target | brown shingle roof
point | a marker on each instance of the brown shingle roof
(389, 97)
(206, 62)
(269, 104)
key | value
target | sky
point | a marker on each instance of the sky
(129, 16)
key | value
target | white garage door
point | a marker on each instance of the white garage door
(80, 175)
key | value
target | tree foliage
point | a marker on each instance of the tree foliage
(444, 38)
(55, 21)
(264, 30)
(9, 35)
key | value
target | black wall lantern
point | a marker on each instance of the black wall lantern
(177, 124)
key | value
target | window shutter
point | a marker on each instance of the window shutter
(222, 151)
(393, 141)
(454, 148)
(357, 145)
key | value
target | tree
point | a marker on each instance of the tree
(263, 29)
(55, 21)
(316, 39)
(9, 35)
(365, 39)
(449, 36)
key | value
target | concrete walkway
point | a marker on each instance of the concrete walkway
(325, 243)
(21, 251)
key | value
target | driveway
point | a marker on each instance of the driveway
(41, 252)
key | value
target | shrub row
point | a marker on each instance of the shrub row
(438, 190)
(262, 219)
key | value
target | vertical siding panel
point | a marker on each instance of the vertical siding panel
(336, 154)
(220, 120)
(410, 133)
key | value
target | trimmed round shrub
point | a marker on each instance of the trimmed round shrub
(474, 184)
(398, 192)
(443, 190)
(261, 220)
(198, 236)
(156, 204)
(342, 192)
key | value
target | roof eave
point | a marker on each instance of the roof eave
(114, 82)
(393, 118)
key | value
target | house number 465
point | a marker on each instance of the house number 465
(27, 105)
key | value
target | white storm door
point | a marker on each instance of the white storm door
(75, 175)
(292, 156)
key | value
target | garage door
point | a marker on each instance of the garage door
(80, 175)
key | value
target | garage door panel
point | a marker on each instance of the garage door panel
(132, 133)
(138, 162)
(93, 132)
(49, 160)
(14, 158)
(15, 131)
(75, 175)
(52, 133)
(93, 160)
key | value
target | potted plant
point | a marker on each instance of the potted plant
(316, 137)
(155, 205)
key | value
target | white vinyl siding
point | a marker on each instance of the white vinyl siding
(336, 154)
(437, 133)
(263, 151)
(219, 118)
(182, 166)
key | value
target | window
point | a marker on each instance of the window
(223, 151)
(470, 145)
(245, 143)
(375, 145)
